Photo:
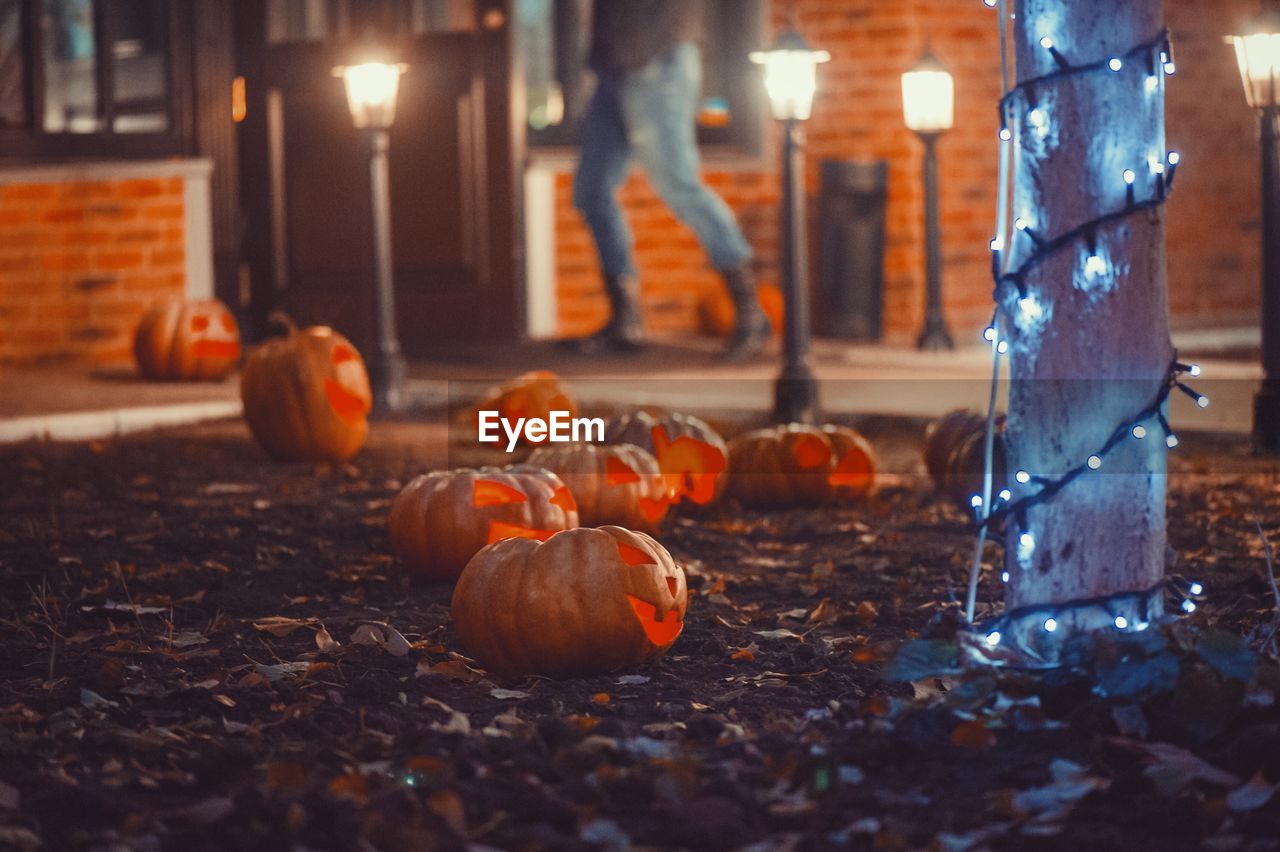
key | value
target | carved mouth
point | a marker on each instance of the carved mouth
(347, 405)
(228, 349)
(662, 632)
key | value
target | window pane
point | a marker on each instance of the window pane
(139, 50)
(13, 107)
(71, 83)
(297, 20)
(441, 16)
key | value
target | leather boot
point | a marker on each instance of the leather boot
(625, 329)
(751, 329)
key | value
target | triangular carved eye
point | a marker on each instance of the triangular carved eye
(486, 492)
(564, 499)
(853, 470)
(673, 585)
(618, 473)
(348, 406)
(662, 632)
(500, 531)
(634, 555)
(343, 353)
(811, 451)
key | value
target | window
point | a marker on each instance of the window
(554, 38)
(92, 77)
(294, 21)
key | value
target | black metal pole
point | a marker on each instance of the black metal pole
(386, 367)
(796, 390)
(935, 335)
(1266, 410)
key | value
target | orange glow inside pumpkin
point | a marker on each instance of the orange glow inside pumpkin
(501, 531)
(487, 492)
(662, 632)
(618, 473)
(689, 466)
(854, 470)
(634, 555)
(343, 353)
(564, 499)
(652, 510)
(350, 407)
(228, 323)
(811, 451)
(203, 347)
(199, 324)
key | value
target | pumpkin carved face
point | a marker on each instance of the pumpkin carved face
(612, 484)
(440, 520)
(532, 395)
(306, 396)
(180, 340)
(795, 464)
(691, 455)
(586, 601)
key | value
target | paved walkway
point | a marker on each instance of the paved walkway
(73, 403)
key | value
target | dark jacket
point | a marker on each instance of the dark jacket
(627, 35)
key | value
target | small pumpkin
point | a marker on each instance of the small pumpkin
(443, 518)
(716, 313)
(585, 601)
(800, 465)
(955, 454)
(187, 340)
(532, 395)
(306, 395)
(692, 456)
(619, 484)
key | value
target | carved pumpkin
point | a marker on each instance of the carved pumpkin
(586, 601)
(442, 519)
(612, 484)
(692, 456)
(532, 395)
(800, 465)
(955, 454)
(306, 396)
(182, 340)
(716, 313)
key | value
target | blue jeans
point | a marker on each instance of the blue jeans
(650, 115)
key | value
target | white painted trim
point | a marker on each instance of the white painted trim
(198, 225)
(108, 170)
(91, 425)
(540, 251)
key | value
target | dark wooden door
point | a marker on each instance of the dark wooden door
(454, 188)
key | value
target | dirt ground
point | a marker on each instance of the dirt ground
(182, 669)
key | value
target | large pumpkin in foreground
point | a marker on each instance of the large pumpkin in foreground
(306, 396)
(611, 484)
(800, 465)
(586, 601)
(692, 456)
(441, 519)
(187, 340)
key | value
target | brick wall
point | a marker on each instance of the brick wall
(80, 260)
(1213, 222)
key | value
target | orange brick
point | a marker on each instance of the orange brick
(30, 192)
(72, 261)
(163, 212)
(141, 188)
(111, 261)
(168, 257)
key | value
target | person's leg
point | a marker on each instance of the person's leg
(660, 105)
(602, 167)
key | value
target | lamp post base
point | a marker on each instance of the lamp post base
(1266, 419)
(386, 380)
(795, 397)
(935, 338)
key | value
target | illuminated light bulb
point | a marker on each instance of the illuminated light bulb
(1021, 224)
(976, 501)
(1170, 68)
(1121, 622)
(1188, 606)
(1193, 370)
(1130, 176)
(1139, 431)
(1171, 441)
(1006, 495)
(990, 4)
(1036, 118)
(993, 638)
(1050, 625)
(1196, 589)
(1141, 626)
(1005, 134)
(1094, 265)
(1004, 577)
(1027, 540)
(1046, 43)
(1115, 64)
(1002, 347)
(997, 243)
(1152, 84)
(1030, 308)
(1174, 158)
(1022, 476)
(1095, 462)
(1164, 56)
(1202, 401)
(989, 334)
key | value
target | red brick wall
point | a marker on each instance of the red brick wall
(81, 260)
(1213, 221)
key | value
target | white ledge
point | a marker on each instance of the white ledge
(185, 167)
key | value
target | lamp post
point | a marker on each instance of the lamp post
(1259, 56)
(790, 77)
(928, 107)
(371, 96)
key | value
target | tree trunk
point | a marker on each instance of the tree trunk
(1089, 333)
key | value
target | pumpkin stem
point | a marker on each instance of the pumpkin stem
(284, 321)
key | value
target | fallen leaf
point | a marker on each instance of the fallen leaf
(1252, 795)
(632, 680)
(508, 694)
(447, 805)
(743, 655)
(973, 735)
(280, 625)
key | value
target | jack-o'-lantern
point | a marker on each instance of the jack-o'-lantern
(692, 456)
(586, 601)
(306, 395)
(618, 484)
(800, 465)
(716, 313)
(534, 395)
(442, 519)
(186, 340)
(955, 454)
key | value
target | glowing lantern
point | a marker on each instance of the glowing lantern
(371, 88)
(181, 340)
(692, 456)
(800, 465)
(586, 601)
(791, 75)
(619, 484)
(441, 519)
